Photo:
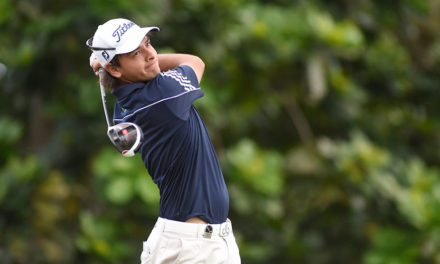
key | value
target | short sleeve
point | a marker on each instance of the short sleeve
(179, 88)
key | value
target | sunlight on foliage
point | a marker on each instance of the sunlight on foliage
(123, 178)
(98, 238)
(259, 169)
(361, 76)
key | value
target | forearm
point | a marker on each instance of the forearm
(171, 61)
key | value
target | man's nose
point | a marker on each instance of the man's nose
(148, 54)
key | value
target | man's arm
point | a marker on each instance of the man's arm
(171, 61)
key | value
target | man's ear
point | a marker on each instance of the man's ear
(113, 70)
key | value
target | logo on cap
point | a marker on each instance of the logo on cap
(121, 30)
(105, 55)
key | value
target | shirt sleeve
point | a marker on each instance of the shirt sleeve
(180, 88)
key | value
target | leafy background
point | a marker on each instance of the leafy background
(324, 115)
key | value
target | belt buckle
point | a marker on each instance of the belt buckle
(208, 231)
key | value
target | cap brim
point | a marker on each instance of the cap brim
(134, 39)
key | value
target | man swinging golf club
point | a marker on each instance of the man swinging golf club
(156, 92)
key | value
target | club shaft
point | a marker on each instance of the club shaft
(103, 96)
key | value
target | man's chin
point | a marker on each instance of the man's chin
(155, 71)
(151, 75)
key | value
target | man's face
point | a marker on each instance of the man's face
(142, 64)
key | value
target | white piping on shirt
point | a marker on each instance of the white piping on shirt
(144, 107)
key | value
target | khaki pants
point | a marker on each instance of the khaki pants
(179, 242)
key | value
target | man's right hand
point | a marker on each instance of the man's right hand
(94, 63)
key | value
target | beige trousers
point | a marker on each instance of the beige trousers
(180, 242)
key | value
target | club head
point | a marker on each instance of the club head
(126, 137)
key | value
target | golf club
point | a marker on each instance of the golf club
(126, 137)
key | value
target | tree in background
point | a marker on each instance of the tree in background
(323, 113)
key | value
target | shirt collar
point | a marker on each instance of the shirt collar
(126, 89)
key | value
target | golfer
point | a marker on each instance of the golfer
(156, 92)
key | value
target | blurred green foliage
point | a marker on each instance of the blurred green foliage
(324, 115)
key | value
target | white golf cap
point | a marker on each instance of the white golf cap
(116, 36)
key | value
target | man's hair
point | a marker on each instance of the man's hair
(108, 80)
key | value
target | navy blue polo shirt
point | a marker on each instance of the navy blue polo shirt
(176, 149)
